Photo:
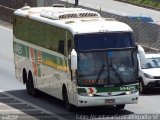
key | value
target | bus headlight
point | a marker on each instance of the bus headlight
(90, 94)
(131, 92)
(128, 92)
(86, 94)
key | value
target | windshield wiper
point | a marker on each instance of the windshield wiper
(100, 73)
(117, 74)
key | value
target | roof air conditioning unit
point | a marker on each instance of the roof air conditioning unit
(58, 5)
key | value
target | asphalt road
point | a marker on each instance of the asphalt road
(148, 104)
(118, 8)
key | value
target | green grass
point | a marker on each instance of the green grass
(151, 3)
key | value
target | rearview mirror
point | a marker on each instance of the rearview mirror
(141, 54)
(73, 60)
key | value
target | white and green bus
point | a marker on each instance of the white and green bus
(72, 54)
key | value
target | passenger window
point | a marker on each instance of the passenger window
(61, 47)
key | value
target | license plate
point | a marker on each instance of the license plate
(110, 101)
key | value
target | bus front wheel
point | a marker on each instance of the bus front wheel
(68, 106)
(142, 89)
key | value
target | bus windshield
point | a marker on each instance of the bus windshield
(96, 41)
(107, 67)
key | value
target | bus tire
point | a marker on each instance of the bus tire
(120, 107)
(24, 74)
(142, 89)
(68, 106)
(33, 90)
(28, 89)
(25, 81)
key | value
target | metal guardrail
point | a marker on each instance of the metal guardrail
(6, 13)
(146, 34)
(15, 4)
(7, 8)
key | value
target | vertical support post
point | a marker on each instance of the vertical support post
(100, 10)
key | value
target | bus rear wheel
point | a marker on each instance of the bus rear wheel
(34, 91)
(28, 87)
(68, 106)
(120, 106)
(31, 90)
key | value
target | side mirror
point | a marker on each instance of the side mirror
(141, 54)
(73, 60)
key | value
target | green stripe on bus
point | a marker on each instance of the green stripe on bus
(109, 89)
(19, 49)
(81, 90)
(35, 55)
(53, 61)
(39, 70)
(47, 59)
(27, 52)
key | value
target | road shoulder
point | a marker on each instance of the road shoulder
(6, 24)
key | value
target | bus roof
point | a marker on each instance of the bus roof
(76, 20)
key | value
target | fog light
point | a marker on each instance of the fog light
(91, 95)
(131, 92)
(87, 94)
(128, 93)
(81, 101)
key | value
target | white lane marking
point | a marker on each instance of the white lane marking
(13, 104)
(16, 110)
(30, 104)
(6, 28)
(90, 5)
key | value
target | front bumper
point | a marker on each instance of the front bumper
(85, 101)
(153, 84)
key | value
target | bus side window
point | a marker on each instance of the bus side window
(61, 47)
